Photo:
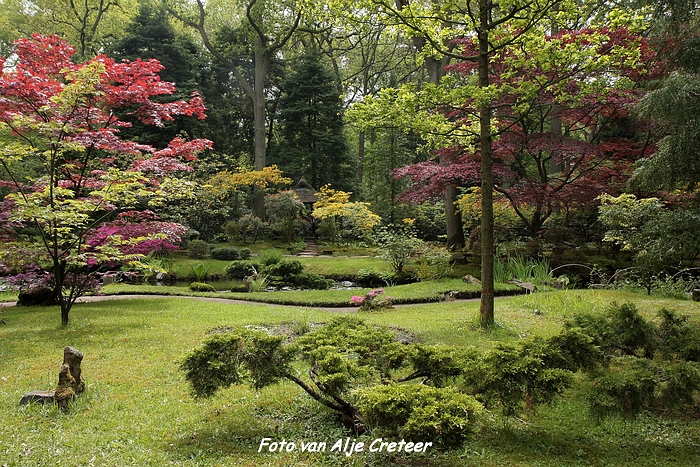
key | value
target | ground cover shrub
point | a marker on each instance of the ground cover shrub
(226, 253)
(244, 253)
(645, 365)
(519, 377)
(283, 268)
(343, 357)
(241, 268)
(309, 280)
(197, 249)
(415, 411)
(368, 376)
(201, 287)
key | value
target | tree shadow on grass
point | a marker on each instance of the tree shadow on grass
(529, 444)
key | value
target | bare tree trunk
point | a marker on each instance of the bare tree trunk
(262, 60)
(360, 161)
(486, 313)
(453, 225)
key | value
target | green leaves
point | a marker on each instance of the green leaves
(232, 358)
(418, 412)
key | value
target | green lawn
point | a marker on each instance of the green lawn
(137, 410)
(429, 291)
(335, 266)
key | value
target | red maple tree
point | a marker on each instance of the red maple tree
(566, 139)
(64, 118)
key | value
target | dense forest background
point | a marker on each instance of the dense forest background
(592, 112)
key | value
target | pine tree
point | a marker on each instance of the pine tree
(312, 144)
(151, 35)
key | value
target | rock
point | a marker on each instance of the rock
(455, 295)
(529, 287)
(38, 397)
(64, 392)
(470, 279)
(70, 382)
(347, 284)
(109, 279)
(73, 357)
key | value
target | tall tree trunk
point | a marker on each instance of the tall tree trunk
(453, 225)
(360, 161)
(486, 314)
(262, 60)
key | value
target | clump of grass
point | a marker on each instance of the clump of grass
(516, 267)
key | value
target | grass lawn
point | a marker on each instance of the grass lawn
(410, 293)
(343, 266)
(138, 411)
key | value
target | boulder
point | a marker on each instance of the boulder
(470, 279)
(39, 397)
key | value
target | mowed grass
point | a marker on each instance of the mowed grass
(138, 411)
(429, 291)
(337, 266)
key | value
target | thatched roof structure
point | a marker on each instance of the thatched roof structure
(305, 192)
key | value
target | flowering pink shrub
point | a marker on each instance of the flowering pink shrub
(371, 301)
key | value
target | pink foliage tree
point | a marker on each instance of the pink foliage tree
(80, 209)
(566, 139)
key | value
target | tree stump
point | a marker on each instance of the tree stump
(70, 383)
(695, 295)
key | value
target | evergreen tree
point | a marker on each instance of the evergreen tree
(151, 36)
(312, 143)
(675, 104)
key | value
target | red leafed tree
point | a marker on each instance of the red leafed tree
(59, 124)
(564, 131)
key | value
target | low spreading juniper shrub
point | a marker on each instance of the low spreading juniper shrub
(284, 268)
(645, 365)
(444, 416)
(201, 287)
(310, 280)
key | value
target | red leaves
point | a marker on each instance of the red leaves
(44, 55)
(139, 232)
(431, 178)
(63, 102)
(587, 94)
(34, 88)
